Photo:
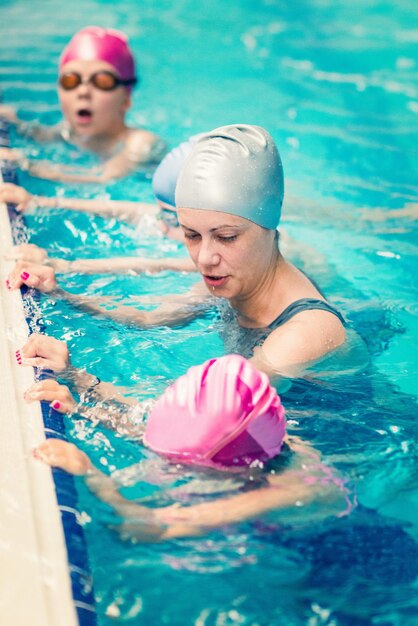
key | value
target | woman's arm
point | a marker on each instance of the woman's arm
(100, 402)
(179, 309)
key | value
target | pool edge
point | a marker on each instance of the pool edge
(34, 552)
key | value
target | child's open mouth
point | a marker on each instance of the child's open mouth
(84, 115)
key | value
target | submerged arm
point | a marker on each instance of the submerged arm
(120, 209)
(180, 310)
(306, 482)
(291, 490)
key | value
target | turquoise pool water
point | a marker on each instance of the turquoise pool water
(336, 85)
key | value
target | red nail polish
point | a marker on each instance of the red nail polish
(56, 405)
(8, 285)
(24, 275)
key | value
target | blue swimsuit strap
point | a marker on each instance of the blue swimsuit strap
(304, 304)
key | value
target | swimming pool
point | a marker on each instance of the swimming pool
(336, 86)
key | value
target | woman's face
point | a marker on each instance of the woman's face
(90, 111)
(232, 254)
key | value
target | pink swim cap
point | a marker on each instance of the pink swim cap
(95, 43)
(224, 411)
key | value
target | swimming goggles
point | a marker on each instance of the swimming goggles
(103, 80)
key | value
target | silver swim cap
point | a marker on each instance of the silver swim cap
(234, 169)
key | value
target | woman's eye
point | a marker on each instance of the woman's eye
(227, 239)
(191, 235)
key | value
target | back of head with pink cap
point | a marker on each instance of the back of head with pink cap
(224, 411)
(95, 43)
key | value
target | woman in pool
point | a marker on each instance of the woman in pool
(223, 415)
(96, 77)
(228, 199)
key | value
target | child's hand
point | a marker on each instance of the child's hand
(65, 455)
(10, 154)
(14, 194)
(26, 252)
(51, 391)
(8, 113)
(39, 277)
(46, 352)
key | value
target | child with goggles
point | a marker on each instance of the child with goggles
(96, 77)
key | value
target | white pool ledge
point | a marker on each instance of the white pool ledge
(35, 583)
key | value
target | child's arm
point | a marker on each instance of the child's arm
(120, 209)
(67, 456)
(34, 130)
(31, 253)
(292, 489)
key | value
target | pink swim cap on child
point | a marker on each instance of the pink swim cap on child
(224, 411)
(95, 43)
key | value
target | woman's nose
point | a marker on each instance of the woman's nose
(208, 255)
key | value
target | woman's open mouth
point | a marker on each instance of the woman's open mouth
(215, 281)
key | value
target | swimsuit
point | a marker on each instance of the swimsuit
(243, 340)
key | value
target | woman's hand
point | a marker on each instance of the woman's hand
(28, 252)
(59, 396)
(62, 454)
(39, 277)
(46, 352)
(14, 194)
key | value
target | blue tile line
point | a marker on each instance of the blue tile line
(81, 578)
